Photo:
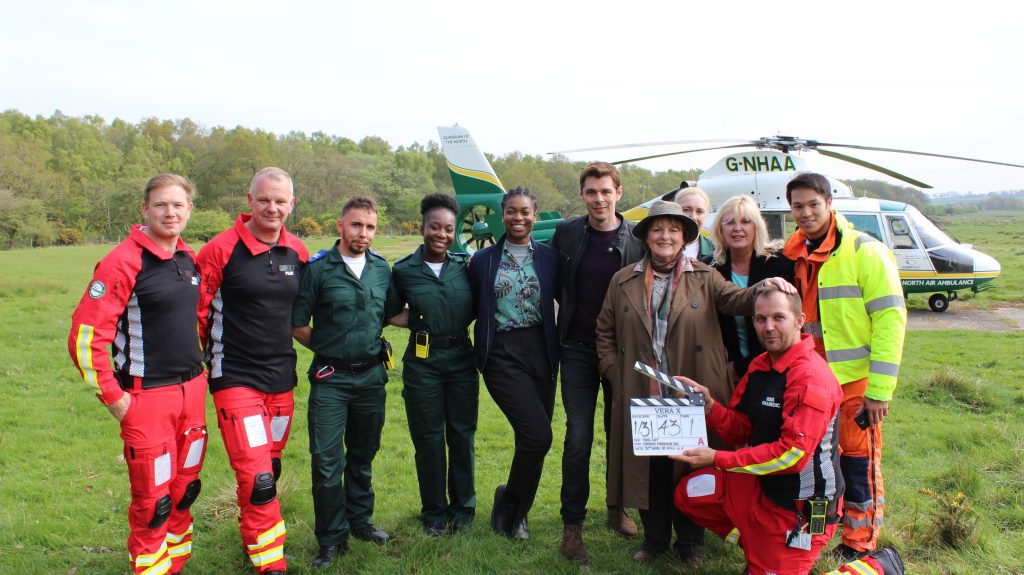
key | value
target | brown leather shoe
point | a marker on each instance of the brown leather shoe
(572, 543)
(620, 522)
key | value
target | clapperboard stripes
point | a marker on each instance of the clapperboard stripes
(660, 401)
(692, 397)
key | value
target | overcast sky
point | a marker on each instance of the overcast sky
(542, 76)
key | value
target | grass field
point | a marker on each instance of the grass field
(957, 426)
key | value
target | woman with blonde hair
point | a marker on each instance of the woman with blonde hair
(744, 256)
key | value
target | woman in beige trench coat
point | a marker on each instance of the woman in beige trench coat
(627, 332)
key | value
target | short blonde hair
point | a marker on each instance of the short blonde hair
(272, 173)
(165, 180)
(741, 207)
(693, 192)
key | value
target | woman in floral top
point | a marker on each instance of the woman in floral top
(514, 287)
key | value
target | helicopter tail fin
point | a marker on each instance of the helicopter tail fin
(470, 170)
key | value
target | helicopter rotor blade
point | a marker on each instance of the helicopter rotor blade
(650, 144)
(744, 145)
(894, 150)
(874, 167)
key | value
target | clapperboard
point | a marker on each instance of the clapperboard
(664, 425)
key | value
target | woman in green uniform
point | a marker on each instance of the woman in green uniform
(441, 385)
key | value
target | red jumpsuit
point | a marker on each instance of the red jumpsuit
(245, 322)
(141, 302)
(786, 412)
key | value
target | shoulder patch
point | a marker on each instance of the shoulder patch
(97, 289)
(376, 255)
(316, 256)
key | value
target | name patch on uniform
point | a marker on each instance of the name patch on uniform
(161, 470)
(97, 289)
(287, 269)
(255, 430)
(195, 280)
(770, 402)
(278, 425)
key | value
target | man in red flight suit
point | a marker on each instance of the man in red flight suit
(780, 496)
(141, 302)
(251, 274)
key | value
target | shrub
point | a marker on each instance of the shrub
(204, 224)
(69, 237)
(307, 227)
(954, 522)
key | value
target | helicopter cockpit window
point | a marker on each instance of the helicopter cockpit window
(867, 223)
(901, 238)
(930, 234)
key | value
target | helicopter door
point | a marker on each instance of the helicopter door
(909, 254)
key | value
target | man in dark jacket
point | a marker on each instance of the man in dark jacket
(603, 241)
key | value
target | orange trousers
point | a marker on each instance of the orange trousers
(861, 462)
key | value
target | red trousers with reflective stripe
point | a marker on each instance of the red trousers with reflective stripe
(740, 513)
(861, 461)
(164, 435)
(255, 427)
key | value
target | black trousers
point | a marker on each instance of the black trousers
(581, 383)
(519, 378)
(661, 515)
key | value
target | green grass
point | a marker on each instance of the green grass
(957, 424)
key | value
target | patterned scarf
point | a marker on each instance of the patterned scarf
(660, 298)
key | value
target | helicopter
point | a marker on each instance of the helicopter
(929, 260)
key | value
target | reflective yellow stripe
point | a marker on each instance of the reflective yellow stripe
(733, 536)
(174, 538)
(83, 349)
(862, 568)
(267, 557)
(269, 536)
(160, 568)
(784, 461)
(179, 550)
(151, 558)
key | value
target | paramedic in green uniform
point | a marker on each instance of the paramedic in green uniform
(344, 291)
(441, 385)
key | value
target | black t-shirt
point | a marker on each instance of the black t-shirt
(599, 264)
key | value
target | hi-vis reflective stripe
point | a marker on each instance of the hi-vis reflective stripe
(861, 568)
(885, 368)
(180, 550)
(851, 354)
(784, 461)
(267, 557)
(813, 328)
(83, 349)
(884, 302)
(160, 568)
(268, 536)
(173, 538)
(151, 558)
(733, 536)
(836, 292)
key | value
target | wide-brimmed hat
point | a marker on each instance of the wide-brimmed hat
(663, 209)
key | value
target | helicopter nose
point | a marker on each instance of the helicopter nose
(984, 263)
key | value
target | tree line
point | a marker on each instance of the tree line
(65, 180)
